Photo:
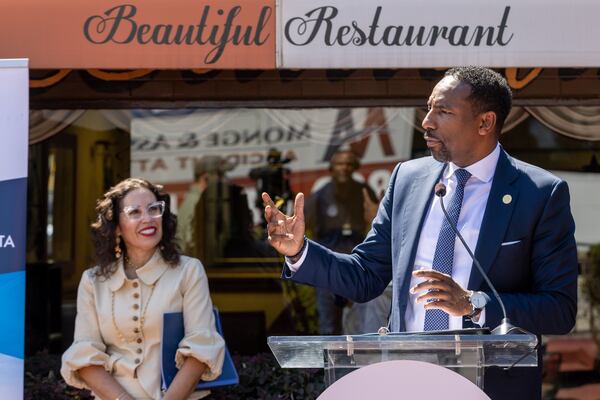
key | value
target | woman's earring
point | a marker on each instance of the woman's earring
(118, 247)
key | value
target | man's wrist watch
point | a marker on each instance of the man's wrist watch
(478, 301)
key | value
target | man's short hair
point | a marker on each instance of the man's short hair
(355, 159)
(489, 91)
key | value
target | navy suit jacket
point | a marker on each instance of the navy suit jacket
(536, 276)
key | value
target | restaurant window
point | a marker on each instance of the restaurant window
(215, 164)
(242, 152)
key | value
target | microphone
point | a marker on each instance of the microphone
(505, 326)
(440, 191)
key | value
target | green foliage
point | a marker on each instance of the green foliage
(43, 380)
(260, 378)
(591, 288)
(591, 284)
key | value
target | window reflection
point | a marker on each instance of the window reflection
(246, 151)
(217, 163)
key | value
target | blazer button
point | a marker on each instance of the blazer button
(135, 284)
(139, 340)
(136, 306)
(139, 351)
(136, 330)
(137, 361)
(135, 318)
(136, 295)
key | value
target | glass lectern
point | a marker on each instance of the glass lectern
(464, 354)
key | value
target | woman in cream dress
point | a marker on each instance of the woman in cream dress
(139, 276)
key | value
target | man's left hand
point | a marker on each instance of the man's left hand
(441, 292)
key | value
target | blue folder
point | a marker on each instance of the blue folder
(173, 332)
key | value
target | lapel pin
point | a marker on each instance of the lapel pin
(506, 199)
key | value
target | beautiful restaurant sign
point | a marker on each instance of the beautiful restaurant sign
(182, 34)
(438, 33)
(254, 34)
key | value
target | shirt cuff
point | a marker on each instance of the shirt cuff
(481, 319)
(294, 267)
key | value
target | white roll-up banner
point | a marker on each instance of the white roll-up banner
(14, 114)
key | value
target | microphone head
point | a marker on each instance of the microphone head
(440, 189)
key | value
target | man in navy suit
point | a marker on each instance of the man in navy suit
(516, 216)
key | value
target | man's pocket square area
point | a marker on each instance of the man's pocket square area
(510, 243)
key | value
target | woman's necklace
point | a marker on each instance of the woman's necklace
(140, 329)
(130, 269)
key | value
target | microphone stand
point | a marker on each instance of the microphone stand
(505, 327)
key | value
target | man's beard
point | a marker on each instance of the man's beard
(441, 155)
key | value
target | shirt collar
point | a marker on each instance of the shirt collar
(483, 169)
(149, 273)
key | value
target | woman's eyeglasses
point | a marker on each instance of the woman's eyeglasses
(153, 210)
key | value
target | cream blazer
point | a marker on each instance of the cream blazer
(129, 349)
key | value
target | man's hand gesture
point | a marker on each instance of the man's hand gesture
(441, 292)
(286, 234)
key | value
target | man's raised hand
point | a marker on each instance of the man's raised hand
(285, 234)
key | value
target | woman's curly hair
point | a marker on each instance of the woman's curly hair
(105, 226)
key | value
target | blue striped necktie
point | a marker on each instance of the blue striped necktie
(444, 250)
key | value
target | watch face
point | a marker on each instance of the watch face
(478, 300)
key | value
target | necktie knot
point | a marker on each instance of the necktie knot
(462, 176)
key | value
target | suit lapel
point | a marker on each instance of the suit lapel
(498, 212)
(418, 201)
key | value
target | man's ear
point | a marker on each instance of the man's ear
(487, 124)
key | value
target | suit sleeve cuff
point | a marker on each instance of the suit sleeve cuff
(294, 266)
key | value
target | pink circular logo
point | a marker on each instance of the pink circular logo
(407, 379)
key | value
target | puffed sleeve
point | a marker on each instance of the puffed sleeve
(87, 348)
(201, 340)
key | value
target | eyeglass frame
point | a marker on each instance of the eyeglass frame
(128, 209)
